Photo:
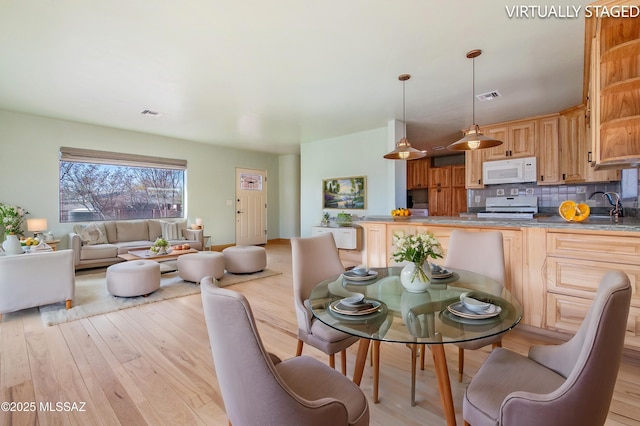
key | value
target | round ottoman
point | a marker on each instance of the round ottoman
(134, 278)
(194, 267)
(245, 259)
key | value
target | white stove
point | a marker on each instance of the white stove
(510, 207)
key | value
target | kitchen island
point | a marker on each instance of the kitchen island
(553, 267)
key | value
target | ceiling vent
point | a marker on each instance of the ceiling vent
(488, 96)
(149, 112)
(438, 148)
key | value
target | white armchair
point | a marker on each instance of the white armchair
(36, 279)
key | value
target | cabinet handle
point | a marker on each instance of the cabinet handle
(541, 178)
(564, 176)
(589, 157)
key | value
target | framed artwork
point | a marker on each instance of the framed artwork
(345, 193)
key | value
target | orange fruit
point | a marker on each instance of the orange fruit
(568, 210)
(582, 212)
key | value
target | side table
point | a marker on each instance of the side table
(53, 244)
(205, 243)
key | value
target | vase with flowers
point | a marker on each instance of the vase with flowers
(416, 249)
(160, 247)
(11, 219)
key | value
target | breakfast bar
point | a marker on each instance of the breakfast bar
(553, 267)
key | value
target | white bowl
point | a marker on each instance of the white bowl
(360, 270)
(353, 300)
(474, 305)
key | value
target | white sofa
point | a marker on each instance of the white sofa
(120, 236)
(36, 279)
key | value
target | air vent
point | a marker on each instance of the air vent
(152, 113)
(488, 96)
(438, 148)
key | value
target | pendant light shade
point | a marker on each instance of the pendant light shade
(474, 139)
(404, 150)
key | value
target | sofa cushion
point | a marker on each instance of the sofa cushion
(92, 233)
(171, 230)
(112, 232)
(133, 230)
(155, 229)
(101, 251)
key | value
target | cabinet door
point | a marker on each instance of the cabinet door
(473, 169)
(440, 177)
(440, 201)
(573, 144)
(548, 151)
(375, 245)
(522, 139)
(418, 173)
(602, 175)
(499, 152)
(458, 175)
(459, 201)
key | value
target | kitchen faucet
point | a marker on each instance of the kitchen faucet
(616, 211)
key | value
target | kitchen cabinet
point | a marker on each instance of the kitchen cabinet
(548, 151)
(574, 145)
(345, 237)
(473, 168)
(518, 140)
(374, 253)
(418, 173)
(576, 263)
(447, 192)
(615, 91)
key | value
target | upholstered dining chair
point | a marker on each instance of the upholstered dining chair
(257, 387)
(567, 384)
(482, 253)
(313, 260)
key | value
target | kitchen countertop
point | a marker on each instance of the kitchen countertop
(599, 223)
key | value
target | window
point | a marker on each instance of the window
(99, 185)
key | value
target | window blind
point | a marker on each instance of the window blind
(80, 155)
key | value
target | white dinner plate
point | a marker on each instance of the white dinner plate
(444, 273)
(338, 307)
(460, 310)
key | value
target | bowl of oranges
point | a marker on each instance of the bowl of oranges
(401, 214)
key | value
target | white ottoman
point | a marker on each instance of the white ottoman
(245, 259)
(194, 267)
(134, 278)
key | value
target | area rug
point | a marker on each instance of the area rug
(92, 297)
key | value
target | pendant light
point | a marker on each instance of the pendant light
(474, 139)
(404, 150)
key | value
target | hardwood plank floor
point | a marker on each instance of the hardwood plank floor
(152, 364)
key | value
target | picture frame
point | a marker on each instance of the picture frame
(345, 193)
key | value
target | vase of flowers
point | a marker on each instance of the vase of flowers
(416, 249)
(11, 218)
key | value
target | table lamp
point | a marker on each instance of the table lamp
(37, 226)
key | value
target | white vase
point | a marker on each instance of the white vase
(413, 280)
(11, 245)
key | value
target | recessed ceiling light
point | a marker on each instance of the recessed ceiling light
(150, 112)
(488, 96)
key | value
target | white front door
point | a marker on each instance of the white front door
(251, 207)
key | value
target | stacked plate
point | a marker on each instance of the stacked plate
(472, 308)
(352, 276)
(355, 305)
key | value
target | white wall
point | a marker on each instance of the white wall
(289, 196)
(357, 154)
(29, 147)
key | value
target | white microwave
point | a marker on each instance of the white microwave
(514, 170)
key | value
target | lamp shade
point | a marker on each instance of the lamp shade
(404, 151)
(37, 224)
(474, 139)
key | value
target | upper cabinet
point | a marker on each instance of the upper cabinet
(548, 151)
(418, 173)
(518, 140)
(614, 90)
(473, 169)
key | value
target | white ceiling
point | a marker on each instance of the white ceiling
(269, 75)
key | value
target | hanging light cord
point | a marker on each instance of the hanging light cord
(473, 91)
(404, 120)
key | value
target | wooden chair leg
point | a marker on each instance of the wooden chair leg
(497, 345)
(460, 364)
(423, 349)
(466, 423)
(332, 361)
(68, 304)
(376, 369)
(299, 348)
(343, 359)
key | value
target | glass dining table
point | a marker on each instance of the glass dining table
(432, 318)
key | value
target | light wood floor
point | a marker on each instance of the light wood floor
(152, 364)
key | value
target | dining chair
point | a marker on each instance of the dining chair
(257, 387)
(482, 253)
(567, 384)
(314, 259)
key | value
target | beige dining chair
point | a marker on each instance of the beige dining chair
(257, 387)
(482, 253)
(314, 259)
(557, 385)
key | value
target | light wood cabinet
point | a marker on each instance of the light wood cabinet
(374, 253)
(615, 89)
(548, 151)
(518, 140)
(473, 169)
(575, 265)
(458, 189)
(345, 237)
(418, 173)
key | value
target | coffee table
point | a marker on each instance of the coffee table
(148, 255)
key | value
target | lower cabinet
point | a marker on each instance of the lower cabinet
(576, 264)
(345, 237)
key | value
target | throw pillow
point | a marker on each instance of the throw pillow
(92, 234)
(170, 230)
